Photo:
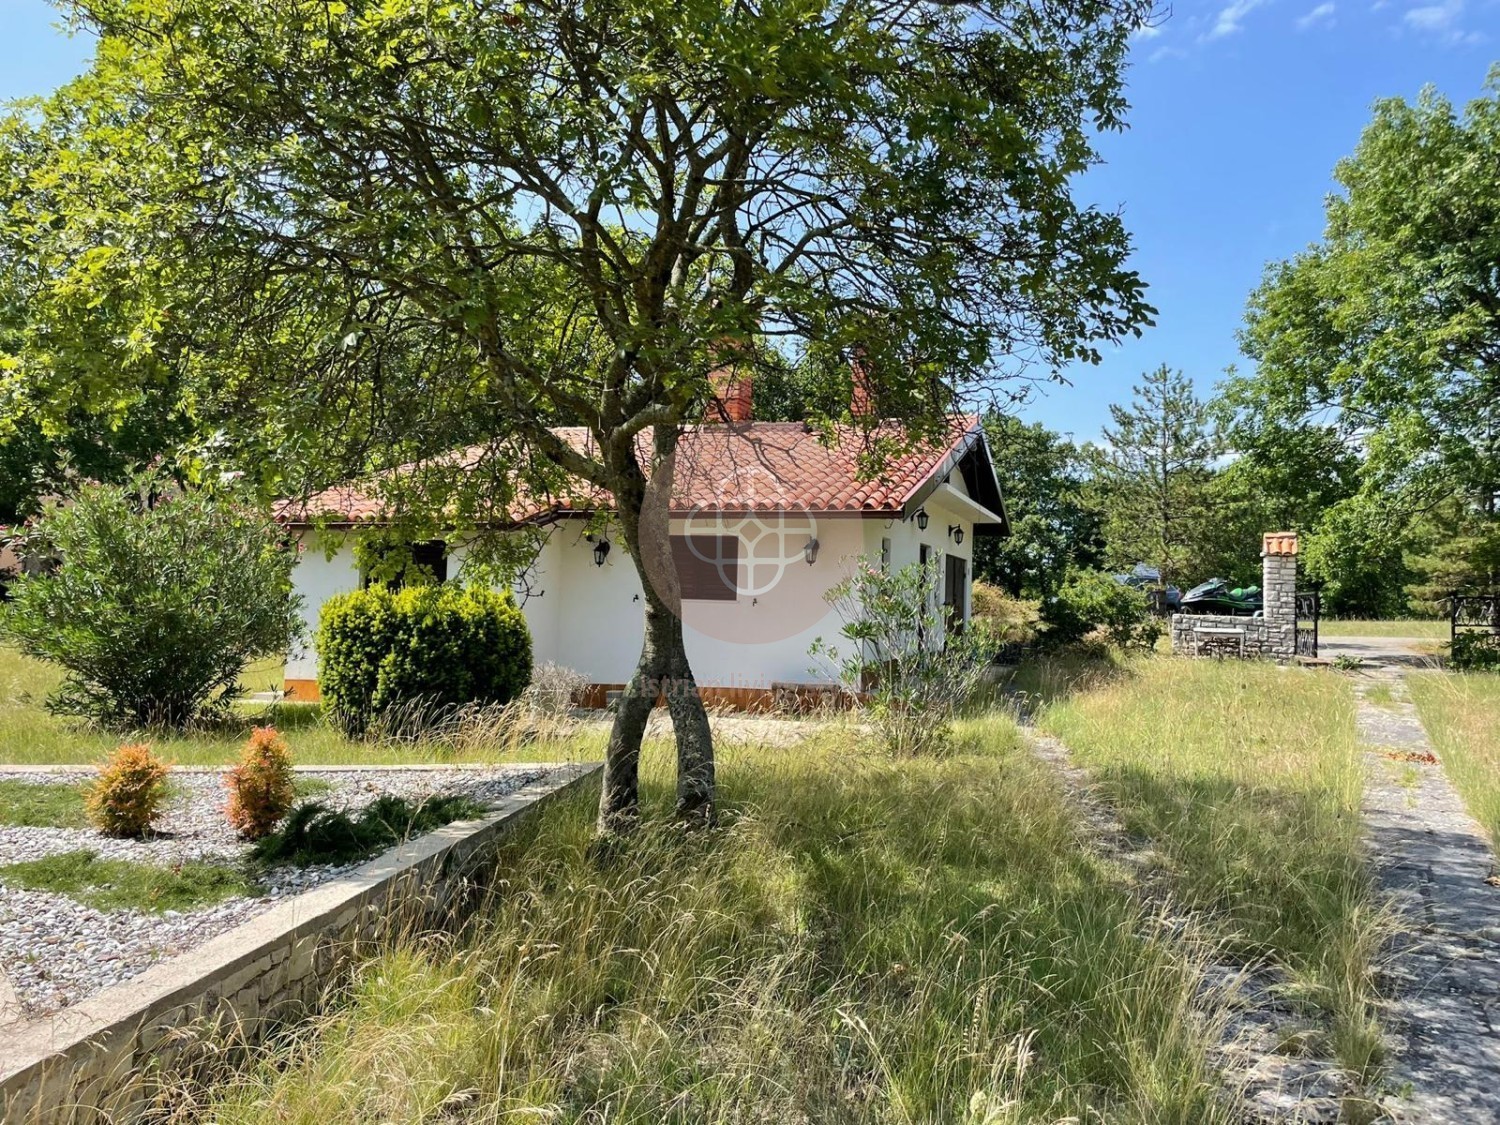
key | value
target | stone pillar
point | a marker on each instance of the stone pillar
(1278, 586)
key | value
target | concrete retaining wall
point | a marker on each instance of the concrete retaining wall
(76, 1065)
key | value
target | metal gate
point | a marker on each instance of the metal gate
(1309, 610)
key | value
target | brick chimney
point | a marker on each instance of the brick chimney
(733, 389)
(1278, 589)
(862, 400)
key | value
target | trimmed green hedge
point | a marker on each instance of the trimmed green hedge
(441, 645)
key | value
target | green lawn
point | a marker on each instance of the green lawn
(1461, 712)
(121, 884)
(1246, 778)
(24, 804)
(1423, 629)
(29, 735)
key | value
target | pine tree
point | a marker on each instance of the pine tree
(1157, 469)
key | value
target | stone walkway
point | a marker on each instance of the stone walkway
(1434, 861)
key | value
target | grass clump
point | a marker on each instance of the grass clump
(314, 833)
(864, 941)
(1247, 778)
(119, 884)
(28, 804)
(1461, 712)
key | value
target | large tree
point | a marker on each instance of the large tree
(349, 226)
(1386, 333)
(1055, 521)
(1157, 468)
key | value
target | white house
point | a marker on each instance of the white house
(765, 517)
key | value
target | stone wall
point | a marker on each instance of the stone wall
(1272, 634)
(77, 1065)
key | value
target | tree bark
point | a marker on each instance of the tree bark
(663, 669)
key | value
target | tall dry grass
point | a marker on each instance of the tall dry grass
(1461, 711)
(1246, 778)
(862, 941)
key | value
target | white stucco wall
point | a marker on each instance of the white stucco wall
(590, 618)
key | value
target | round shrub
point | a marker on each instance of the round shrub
(435, 646)
(1091, 602)
(129, 792)
(159, 598)
(261, 789)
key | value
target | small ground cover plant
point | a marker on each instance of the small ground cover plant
(314, 833)
(128, 795)
(262, 786)
(28, 804)
(119, 884)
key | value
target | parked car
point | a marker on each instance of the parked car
(1217, 596)
(1163, 599)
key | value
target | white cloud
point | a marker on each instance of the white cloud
(1231, 18)
(1146, 31)
(1441, 21)
(1321, 16)
(1435, 17)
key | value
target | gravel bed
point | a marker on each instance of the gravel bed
(55, 951)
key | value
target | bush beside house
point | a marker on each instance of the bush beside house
(1091, 603)
(433, 645)
(159, 599)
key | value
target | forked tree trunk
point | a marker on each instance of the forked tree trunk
(661, 671)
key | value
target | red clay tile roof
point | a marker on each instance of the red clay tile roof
(1279, 543)
(762, 466)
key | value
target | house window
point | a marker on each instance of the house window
(420, 562)
(707, 567)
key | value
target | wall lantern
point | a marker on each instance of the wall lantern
(956, 533)
(810, 551)
(921, 519)
(601, 551)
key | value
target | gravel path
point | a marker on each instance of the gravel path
(1435, 861)
(54, 950)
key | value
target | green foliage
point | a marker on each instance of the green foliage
(29, 804)
(1055, 519)
(1464, 559)
(899, 653)
(1092, 603)
(1384, 335)
(440, 645)
(1008, 620)
(262, 786)
(128, 795)
(316, 834)
(1475, 651)
(1156, 474)
(1358, 553)
(161, 598)
(122, 884)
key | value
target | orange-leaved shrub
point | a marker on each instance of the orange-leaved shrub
(260, 787)
(128, 793)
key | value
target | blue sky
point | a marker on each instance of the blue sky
(1239, 111)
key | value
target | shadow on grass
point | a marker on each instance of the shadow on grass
(863, 940)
